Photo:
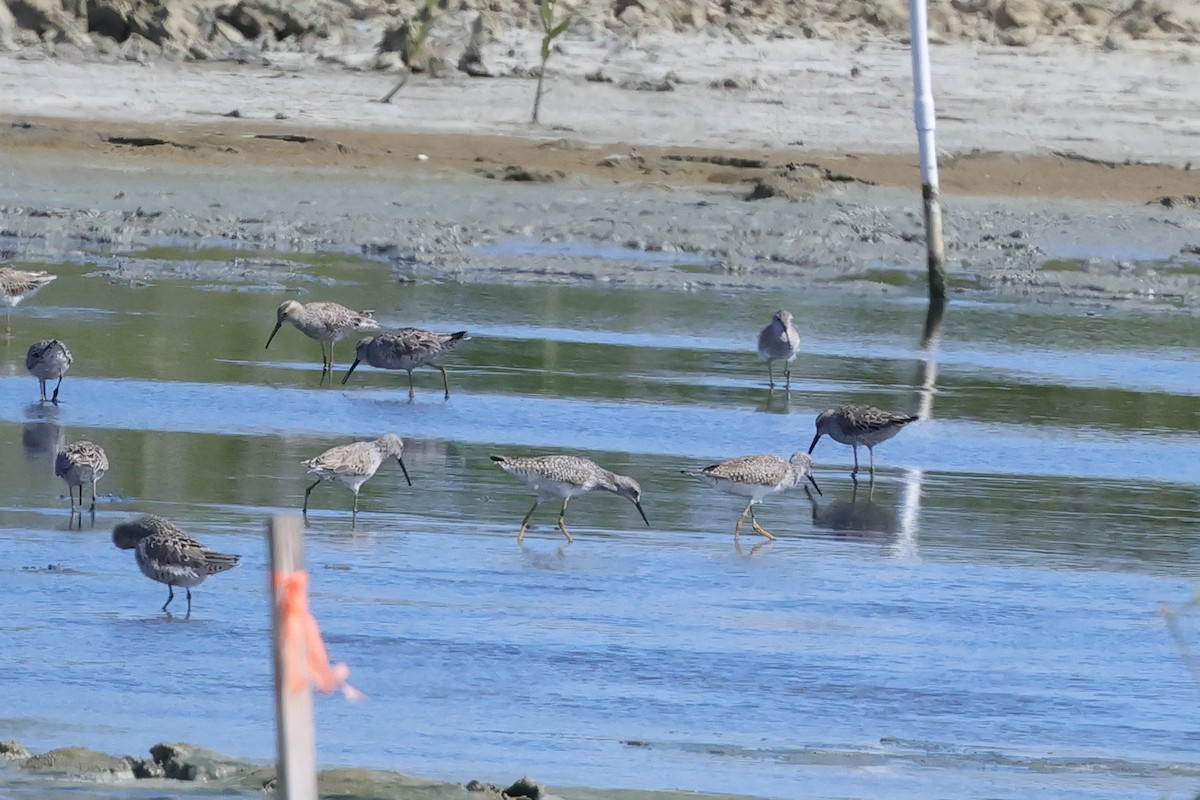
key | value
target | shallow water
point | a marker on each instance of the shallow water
(983, 622)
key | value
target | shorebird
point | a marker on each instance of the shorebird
(325, 322)
(17, 285)
(81, 463)
(168, 555)
(47, 360)
(756, 477)
(565, 476)
(406, 349)
(354, 464)
(779, 341)
(855, 425)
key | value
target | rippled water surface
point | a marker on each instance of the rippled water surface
(983, 621)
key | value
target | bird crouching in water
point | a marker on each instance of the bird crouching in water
(779, 341)
(166, 554)
(47, 360)
(406, 349)
(563, 476)
(855, 425)
(325, 322)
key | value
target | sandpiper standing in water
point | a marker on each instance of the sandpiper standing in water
(47, 360)
(168, 555)
(17, 285)
(855, 425)
(756, 477)
(354, 464)
(406, 349)
(563, 476)
(779, 341)
(81, 463)
(325, 322)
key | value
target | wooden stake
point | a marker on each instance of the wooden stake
(295, 738)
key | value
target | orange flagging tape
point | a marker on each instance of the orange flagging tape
(300, 632)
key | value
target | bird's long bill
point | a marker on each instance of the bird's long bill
(271, 338)
(403, 468)
(643, 513)
(346, 377)
(813, 481)
(813, 446)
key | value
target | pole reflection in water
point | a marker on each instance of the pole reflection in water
(906, 546)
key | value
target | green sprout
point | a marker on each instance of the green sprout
(551, 30)
(415, 32)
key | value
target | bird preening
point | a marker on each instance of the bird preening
(166, 554)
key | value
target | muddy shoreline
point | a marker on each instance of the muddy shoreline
(111, 210)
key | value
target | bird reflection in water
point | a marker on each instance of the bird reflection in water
(42, 436)
(860, 518)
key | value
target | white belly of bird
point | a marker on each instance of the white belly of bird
(185, 577)
(549, 489)
(757, 491)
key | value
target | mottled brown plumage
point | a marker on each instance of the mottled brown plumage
(859, 425)
(166, 554)
(406, 349)
(17, 285)
(47, 360)
(756, 477)
(325, 322)
(564, 476)
(81, 463)
(353, 464)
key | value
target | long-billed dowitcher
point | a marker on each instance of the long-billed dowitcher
(406, 349)
(565, 476)
(325, 322)
(47, 360)
(17, 285)
(168, 555)
(855, 425)
(779, 341)
(353, 464)
(756, 477)
(81, 463)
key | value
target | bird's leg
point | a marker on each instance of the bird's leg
(525, 522)
(170, 596)
(770, 375)
(445, 380)
(71, 494)
(56, 388)
(787, 375)
(411, 393)
(870, 450)
(42, 383)
(93, 508)
(8, 322)
(307, 492)
(561, 521)
(855, 472)
(189, 596)
(331, 360)
(354, 513)
(737, 529)
(759, 529)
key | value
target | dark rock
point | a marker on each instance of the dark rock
(185, 762)
(524, 787)
(14, 750)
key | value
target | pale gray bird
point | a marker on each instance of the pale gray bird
(17, 285)
(406, 349)
(779, 341)
(79, 464)
(563, 476)
(325, 322)
(166, 554)
(47, 360)
(353, 464)
(857, 424)
(756, 477)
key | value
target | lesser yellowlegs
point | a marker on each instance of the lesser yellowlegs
(756, 477)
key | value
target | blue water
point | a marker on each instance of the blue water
(982, 623)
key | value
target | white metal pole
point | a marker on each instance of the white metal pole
(923, 115)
